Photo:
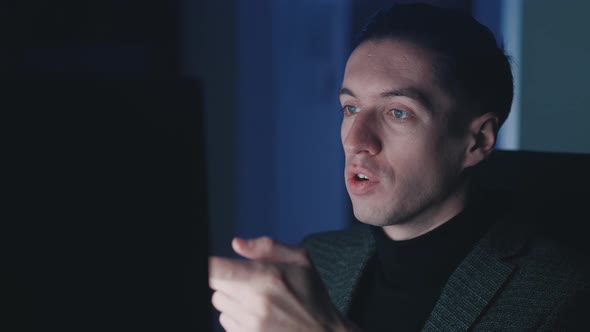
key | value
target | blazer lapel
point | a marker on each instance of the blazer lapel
(346, 265)
(469, 290)
(473, 285)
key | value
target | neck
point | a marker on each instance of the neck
(430, 218)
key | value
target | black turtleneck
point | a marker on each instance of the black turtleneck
(404, 279)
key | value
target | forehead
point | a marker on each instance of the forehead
(379, 65)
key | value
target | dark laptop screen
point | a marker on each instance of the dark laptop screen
(106, 224)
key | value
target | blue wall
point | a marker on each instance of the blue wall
(290, 163)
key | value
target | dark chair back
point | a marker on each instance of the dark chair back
(550, 189)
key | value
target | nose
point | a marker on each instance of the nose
(360, 135)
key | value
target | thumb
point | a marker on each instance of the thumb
(266, 249)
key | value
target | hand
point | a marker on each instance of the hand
(276, 290)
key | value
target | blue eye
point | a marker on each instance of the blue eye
(399, 114)
(349, 109)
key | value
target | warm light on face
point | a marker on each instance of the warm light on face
(401, 163)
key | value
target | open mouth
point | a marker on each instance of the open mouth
(361, 181)
(361, 177)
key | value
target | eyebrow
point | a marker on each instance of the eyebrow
(409, 92)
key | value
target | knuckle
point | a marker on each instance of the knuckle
(255, 325)
(225, 321)
(215, 300)
(303, 256)
(261, 311)
(274, 277)
(266, 243)
(265, 309)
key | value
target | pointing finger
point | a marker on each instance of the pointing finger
(227, 269)
(264, 248)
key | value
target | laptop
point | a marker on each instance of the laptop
(105, 224)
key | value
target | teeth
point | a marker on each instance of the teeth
(362, 176)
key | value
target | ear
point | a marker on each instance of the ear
(481, 138)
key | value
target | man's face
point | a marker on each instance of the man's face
(402, 164)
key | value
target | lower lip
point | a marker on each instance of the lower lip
(357, 187)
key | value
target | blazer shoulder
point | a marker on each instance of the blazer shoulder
(556, 263)
(549, 278)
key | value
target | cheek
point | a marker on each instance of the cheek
(418, 158)
(448, 163)
(345, 129)
(417, 165)
(408, 149)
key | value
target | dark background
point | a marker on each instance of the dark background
(130, 38)
(105, 223)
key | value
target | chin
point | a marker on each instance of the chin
(382, 214)
(371, 217)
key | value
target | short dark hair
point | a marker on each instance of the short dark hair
(468, 60)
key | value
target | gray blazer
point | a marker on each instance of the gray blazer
(510, 281)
